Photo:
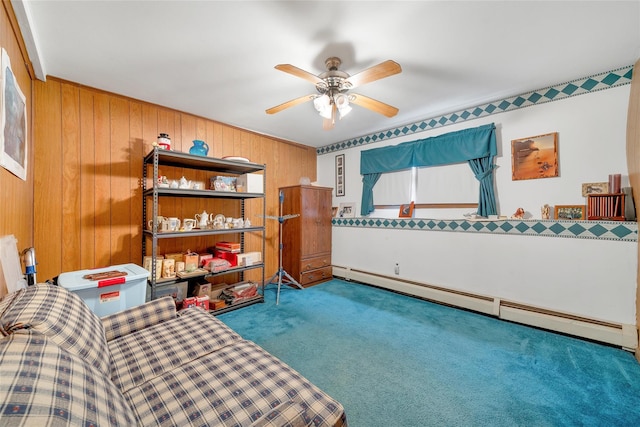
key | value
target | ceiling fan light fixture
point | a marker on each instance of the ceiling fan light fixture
(322, 104)
(342, 103)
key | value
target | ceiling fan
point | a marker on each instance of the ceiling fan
(333, 85)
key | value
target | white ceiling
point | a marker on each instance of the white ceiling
(216, 59)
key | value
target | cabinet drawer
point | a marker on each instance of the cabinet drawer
(314, 263)
(309, 277)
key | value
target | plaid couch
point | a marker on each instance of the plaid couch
(61, 365)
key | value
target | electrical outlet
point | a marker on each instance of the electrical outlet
(397, 268)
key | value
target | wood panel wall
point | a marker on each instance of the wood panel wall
(16, 195)
(89, 147)
(633, 164)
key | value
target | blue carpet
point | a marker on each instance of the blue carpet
(393, 360)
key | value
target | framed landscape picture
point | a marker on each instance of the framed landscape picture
(535, 157)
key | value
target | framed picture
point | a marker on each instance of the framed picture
(406, 211)
(13, 122)
(534, 157)
(570, 212)
(334, 212)
(595, 188)
(340, 175)
(347, 210)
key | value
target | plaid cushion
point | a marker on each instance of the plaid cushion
(235, 386)
(60, 315)
(137, 318)
(139, 357)
(42, 384)
(286, 414)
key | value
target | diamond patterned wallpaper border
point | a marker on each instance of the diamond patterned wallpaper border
(606, 80)
(626, 231)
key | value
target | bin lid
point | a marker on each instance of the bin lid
(74, 280)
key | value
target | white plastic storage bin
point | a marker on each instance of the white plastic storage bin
(108, 295)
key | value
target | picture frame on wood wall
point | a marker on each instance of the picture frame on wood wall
(13, 121)
(340, 175)
(534, 157)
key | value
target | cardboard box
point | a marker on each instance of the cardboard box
(174, 256)
(249, 258)
(202, 289)
(203, 258)
(217, 304)
(203, 302)
(250, 183)
(191, 261)
(216, 290)
(228, 246)
(229, 256)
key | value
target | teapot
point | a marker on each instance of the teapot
(184, 183)
(202, 219)
(200, 148)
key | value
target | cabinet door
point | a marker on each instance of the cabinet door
(316, 221)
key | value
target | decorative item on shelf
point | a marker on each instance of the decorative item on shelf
(164, 141)
(519, 214)
(174, 184)
(218, 222)
(223, 183)
(614, 183)
(406, 210)
(199, 148)
(189, 224)
(569, 212)
(184, 183)
(594, 188)
(545, 211)
(202, 219)
(163, 182)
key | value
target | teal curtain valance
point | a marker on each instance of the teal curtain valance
(467, 145)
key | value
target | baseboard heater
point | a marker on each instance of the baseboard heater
(622, 335)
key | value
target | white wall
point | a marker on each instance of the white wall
(591, 278)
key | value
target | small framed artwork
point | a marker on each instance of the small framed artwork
(570, 212)
(347, 210)
(406, 211)
(13, 119)
(340, 175)
(534, 157)
(334, 212)
(595, 188)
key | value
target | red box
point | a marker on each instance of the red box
(203, 302)
(229, 256)
(189, 302)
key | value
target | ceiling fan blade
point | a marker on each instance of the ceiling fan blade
(377, 72)
(327, 124)
(288, 104)
(373, 105)
(298, 72)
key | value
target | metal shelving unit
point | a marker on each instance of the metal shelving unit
(152, 194)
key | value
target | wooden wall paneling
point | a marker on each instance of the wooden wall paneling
(48, 197)
(120, 184)
(16, 195)
(102, 129)
(87, 182)
(633, 164)
(71, 172)
(136, 153)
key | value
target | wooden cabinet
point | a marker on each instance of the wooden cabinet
(307, 239)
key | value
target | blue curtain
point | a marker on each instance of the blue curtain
(476, 146)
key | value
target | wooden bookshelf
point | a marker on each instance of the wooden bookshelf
(606, 206)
